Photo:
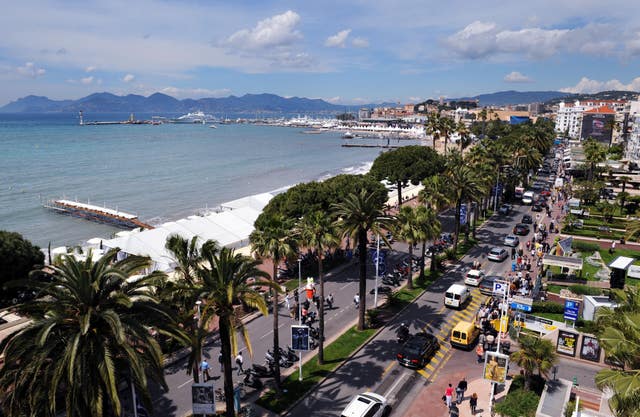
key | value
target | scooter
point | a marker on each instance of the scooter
(403, 333)
(284, 362)
(290, 354)
(390, 279)
(252, 379)
(262, 371)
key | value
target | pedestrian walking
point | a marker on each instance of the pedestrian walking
(220, 362)
(239, 362)
(480, 352)
(287, 301)
(613, 246)
(356, 300)
(460, 389)
(448, 395)
(330, 301)
(473, 403)
(204, 367)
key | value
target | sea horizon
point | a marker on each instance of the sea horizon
(161, 173)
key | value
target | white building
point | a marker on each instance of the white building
(632, 153)
(569, 119)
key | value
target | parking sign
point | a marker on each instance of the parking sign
(500, 288)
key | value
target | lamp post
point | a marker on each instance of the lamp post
(198, 317)
(375, 297)
(503, 312)
(299, 315)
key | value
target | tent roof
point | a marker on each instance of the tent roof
(563, 261)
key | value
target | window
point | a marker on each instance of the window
(373, 410)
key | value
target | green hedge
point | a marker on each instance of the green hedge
(585, 290)
(547, 307)
(518, 402)
(582, 246)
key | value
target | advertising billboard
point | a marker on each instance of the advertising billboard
(597, 126)
(590, 349)
(567, 342)
(299, 337)
(203, 399)
(495, 367)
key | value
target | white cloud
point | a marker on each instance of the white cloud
(484, 39)
(338, 40)
(128, 78)
(587, 85)
(90, 68)
(517, 77)
(360, 42)
(87, 80)
(30, 70)
(333, 100)
(276, 31)
(195, 92)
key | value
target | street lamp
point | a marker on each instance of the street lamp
(495, 197)
(198, 317)
(299, 315)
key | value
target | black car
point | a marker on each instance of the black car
(527, 219)
(537, 206)
(486, 286)
(521, 229)
(418, 350)
(504, 209)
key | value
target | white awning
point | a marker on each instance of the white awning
(563, 262)
(621, 262)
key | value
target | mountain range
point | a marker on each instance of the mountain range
(252, 104)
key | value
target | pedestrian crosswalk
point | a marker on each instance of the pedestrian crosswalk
(429, 372)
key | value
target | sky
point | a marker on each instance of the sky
(345, 52)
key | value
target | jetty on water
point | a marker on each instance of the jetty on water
(97, 214)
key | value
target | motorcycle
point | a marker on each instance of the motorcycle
(290, 354)
(262, 371)
(284, 362)
(390, 279)
(310, 318)
(251, 379)
(403, 333)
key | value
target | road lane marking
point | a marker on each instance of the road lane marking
(190, 381)
(388, 368)
(393, 387)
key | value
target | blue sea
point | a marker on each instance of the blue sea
(160, 173)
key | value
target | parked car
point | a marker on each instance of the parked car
(486, 286)
(367, 404)
(511, 240)
(521, 229)
(504, 209)
(418, 350)
(497, 254)
(527, 219)
(527, 197)
(474, 277)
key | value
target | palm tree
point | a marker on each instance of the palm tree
(633, 230)
(428, 222)
(435, 193)
(407, 226)
(483, 116)
(463, 133)
(433, 126)
(181, 294)
(89, 331)
(535, 354)
(463, 185)
(447, 127)
(273, 240)
(223, 277)
(357, 215)
(595, 153)
(316, 230)
(619, 334)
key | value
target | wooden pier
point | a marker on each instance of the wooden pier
(364, 145)
(97, 214)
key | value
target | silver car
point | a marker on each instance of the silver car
(511, 240)
(497, 254)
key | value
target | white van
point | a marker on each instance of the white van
(456, 296)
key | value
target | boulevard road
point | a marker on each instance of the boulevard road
(374, 367)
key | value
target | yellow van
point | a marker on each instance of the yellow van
(464, 334)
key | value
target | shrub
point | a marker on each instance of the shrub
(582, 246)
(518, 403)
(585, 289)
(548, 307)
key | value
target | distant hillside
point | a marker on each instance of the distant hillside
(503, 98)
(161, 103)
(602, 95)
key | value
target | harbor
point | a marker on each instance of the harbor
(97, 214)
